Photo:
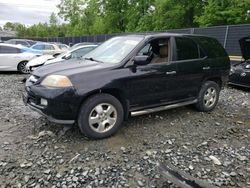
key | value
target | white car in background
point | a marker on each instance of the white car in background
(48, 48)
(15, 57)
(72, 53)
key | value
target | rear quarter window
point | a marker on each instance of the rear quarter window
(186, 49)
(9, 50)
(212, 47)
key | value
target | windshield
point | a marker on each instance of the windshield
(114, 50)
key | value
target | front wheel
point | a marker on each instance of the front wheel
(208, 96)
(21, 67)
(100, 116)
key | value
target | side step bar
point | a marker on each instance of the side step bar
(161, 108)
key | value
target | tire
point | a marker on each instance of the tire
(100, 116)
(21, 67)
(208, 96)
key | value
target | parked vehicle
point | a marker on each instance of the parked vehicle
(82, 44)
(15, 57)
(240, 72)
(133, 74)
(63, 46)
(47, 48)
(24, 42)
(71, 54)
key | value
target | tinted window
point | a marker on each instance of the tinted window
(212, 47)
(81, 52)
(22, 43)
(38, 47)
(10, 42)
(186, 49)
(31, 42)
(49, 47)
(9, 50)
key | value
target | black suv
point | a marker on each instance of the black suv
(130, 75)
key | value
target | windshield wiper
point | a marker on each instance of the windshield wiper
(92, 59)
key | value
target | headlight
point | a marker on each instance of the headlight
(57, 81)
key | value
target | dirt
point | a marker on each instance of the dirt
(183, 137)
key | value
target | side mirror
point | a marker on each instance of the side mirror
(141, 60)
(67, 56)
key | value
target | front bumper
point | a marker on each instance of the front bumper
(62, 104)
(240, 79)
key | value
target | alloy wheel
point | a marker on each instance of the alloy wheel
(103, 117)
(210, 97)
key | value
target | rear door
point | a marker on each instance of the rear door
(192, 67)
(9, 58)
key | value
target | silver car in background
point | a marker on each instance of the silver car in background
(48, 48)
(72, 53)
(15, 57)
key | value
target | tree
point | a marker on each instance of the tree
(225, 12)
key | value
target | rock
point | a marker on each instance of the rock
(242, 158)
(215, 160)
(148, 152)
(168, 151)
(217, 123)
(233, 174)
(140, 183)
(47, 171)
(191, 167)
(123, 149)
(58, 175)
(85, 173)
(75, 179)
(26, 178)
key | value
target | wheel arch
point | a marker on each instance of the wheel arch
(217, 80)
(23, 61)
(117, 93)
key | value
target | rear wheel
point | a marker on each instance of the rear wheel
(100, 116)
(21, 67)
(208, 96)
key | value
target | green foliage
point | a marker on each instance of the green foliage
(89, 17)
(225, 12)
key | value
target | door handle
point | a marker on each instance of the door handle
(172, 72)
(206, 68)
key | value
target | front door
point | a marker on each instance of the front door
(154, 83)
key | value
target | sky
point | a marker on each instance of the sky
(27, 12)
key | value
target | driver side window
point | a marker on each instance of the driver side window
(158, 50)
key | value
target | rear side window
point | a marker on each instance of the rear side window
(212, 47)
(9, 50)
(38, 47)
(49, 47)
(186, 49)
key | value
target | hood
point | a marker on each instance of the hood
(70, 68)
(55, 60)
(245, 47)
(39, 60)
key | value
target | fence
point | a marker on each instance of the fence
(228, 36)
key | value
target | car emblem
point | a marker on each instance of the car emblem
(243, 74)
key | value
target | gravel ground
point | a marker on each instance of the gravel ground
(214, 147)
